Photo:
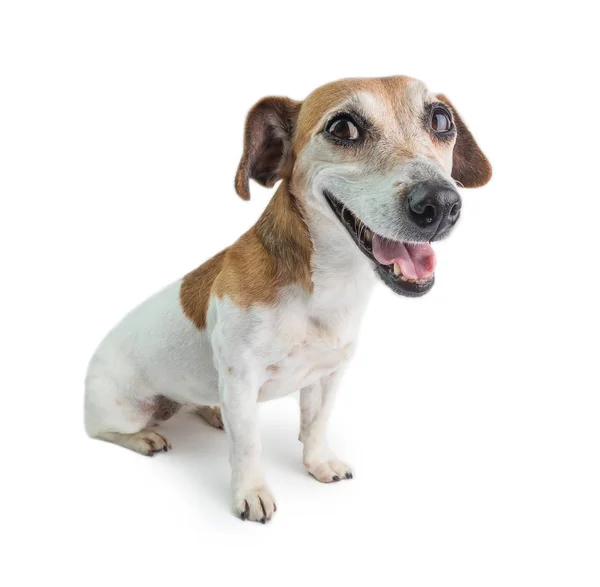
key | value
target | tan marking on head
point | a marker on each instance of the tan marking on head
(230, 370)
(386, 93)
(273, 369)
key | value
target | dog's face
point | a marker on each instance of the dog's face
(382, 155)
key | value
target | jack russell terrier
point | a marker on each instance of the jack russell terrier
(368, 171)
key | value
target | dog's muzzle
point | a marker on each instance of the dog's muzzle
(406, 266)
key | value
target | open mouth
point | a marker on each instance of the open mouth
(406, 268)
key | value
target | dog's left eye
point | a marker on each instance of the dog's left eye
(343, 128)
(440, 120)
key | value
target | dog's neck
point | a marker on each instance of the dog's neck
(283, 232)
(307, 242)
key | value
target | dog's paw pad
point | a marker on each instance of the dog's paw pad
(256, 504)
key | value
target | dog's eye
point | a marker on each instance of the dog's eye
(343, 128)
(440, 121)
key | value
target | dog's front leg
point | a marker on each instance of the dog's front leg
(316, 403)
(252, 499)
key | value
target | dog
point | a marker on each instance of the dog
(368, 170)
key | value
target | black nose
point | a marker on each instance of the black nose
(433, 205)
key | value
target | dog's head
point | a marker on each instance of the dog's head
(382, 155)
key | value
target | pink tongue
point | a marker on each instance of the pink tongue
(416, 261)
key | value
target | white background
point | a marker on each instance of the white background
(471, 416)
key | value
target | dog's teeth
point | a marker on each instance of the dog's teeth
(368, 236)
(411, 280)
(397, 271)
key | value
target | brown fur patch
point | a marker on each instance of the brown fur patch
(470, 166)
(164, 408)
(195, 289)
(274, 253)
(326, 97)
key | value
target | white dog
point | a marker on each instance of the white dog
(368, 169)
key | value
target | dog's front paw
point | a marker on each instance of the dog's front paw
(328, 471)
(257, 504)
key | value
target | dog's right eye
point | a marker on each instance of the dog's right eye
(343, 128)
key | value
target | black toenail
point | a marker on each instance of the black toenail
(336, 478)
(165, 449)
(348, 475)
(263, 520)
(243, 516)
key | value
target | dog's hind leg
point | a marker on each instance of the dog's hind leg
(123, 414)
(212, 415)
(146, 442)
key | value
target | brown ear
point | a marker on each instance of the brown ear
(470, 166)
(268, 135)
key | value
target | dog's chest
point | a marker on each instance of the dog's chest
(303, 359)
(302, 338)
(309, 343)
